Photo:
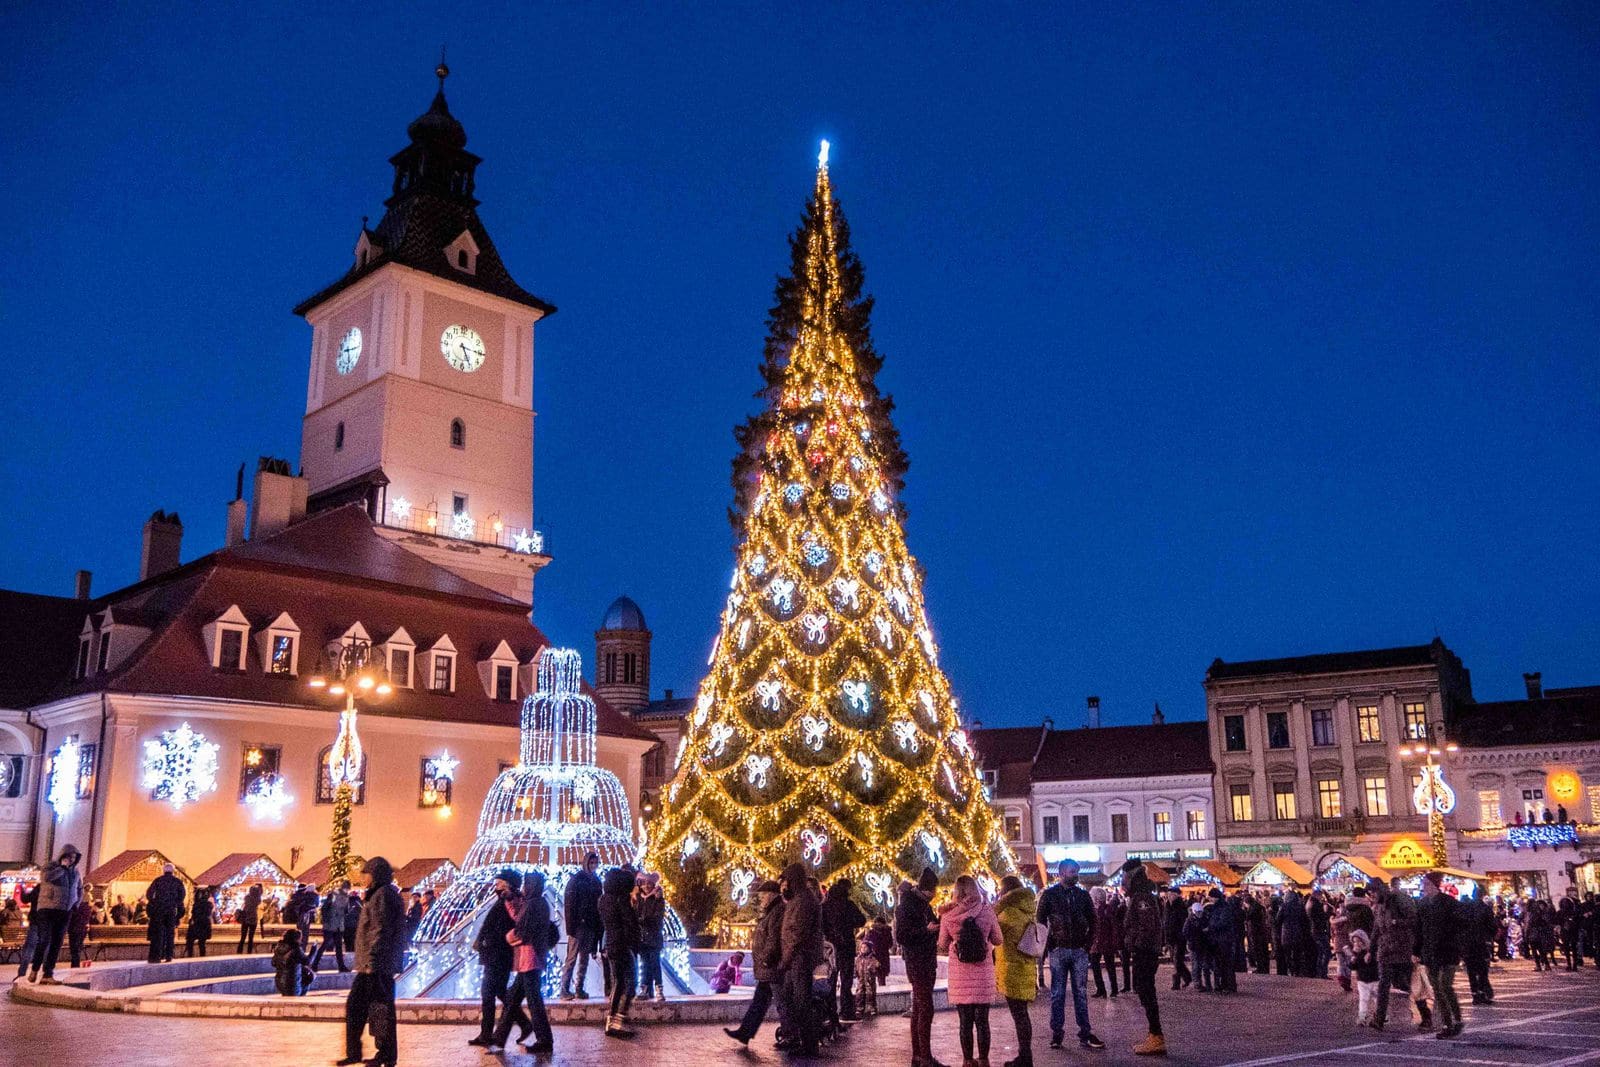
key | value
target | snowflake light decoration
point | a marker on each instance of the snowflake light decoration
(816, 553)
(528, 543)
(585, 788)
(180, 766)
(462, 525)
(793, 492)
(401, 508)
(855, 694)
(840, 491)
(268, 796)
(757, 565)
(880, 500)
(874, 561)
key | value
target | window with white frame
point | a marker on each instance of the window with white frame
(1050, 829)
(1283, 801)
(278, 645)
(1161, 826)
(1330, 799)
(1194, 824)
(1416, 720)
(226, 637)
(1013, 825)
(1322, 727)
(400, 667)
(11, 773)
(1489, 813)
(1369, 727)
(1533, 804)
(1119, 826)
(1241, 804)
(444, 673)
(1375, 788)
(504, 681)
(1080, 829)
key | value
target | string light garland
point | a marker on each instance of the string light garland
(826, 713)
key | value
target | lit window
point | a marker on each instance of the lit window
(1322, 726)
(1013, 828)
(1533, 805)
(458, 434)
(1416, 714)
(1330, 801)
(1119, 826)
(1080, 829)
(325, 787)
(1242, 807)
(503, 674)
(230, 650)
(1594, 803)
(1161, 823)
(1376, 789)
(282, 655)
(1489, 816)
(1052, 829)
(86, 767)
(443, 673)
(1195, 825)
(1277, 729)
(1233, 732)
(1368, 726)
(435, 788)
(1283, 802)
(258, 762)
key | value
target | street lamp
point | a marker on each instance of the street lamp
(1433, 796)
(353, 671)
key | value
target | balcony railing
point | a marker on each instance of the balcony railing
(466, 527)
(1348, 826)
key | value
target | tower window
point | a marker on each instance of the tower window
(630, 668)
(458, 434)
(338, 438)
(458, 504)
(611, 666)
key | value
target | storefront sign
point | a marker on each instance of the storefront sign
(1260, 850)
(1155, 854)
(1080, 853)
(1406, 854)
(1197, 854)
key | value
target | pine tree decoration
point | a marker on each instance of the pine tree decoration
(825, 731)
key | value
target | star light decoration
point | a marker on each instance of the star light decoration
(856, 763)
(442, 768)
(180, 766)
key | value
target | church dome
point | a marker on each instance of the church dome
(623, 614)
(437, 125)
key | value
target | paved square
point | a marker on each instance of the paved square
(1549, 1020)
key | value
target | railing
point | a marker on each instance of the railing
(463, 526)
(1343, 827)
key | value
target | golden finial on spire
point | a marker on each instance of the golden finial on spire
(441, 71)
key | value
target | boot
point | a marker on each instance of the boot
(1344, 982)
(1154, 1045)
(616, 1026)
(1427, 1016)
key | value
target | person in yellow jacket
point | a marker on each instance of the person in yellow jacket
(1016, 974)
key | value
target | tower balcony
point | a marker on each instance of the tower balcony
(463, 526)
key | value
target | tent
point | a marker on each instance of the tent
(1278, 871)
(128, 875)
(1206, 872)
(425, 874)
(1347, 872)
(235, 874)
(1158, 875)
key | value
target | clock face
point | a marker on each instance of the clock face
(462, 348)
(349, 351)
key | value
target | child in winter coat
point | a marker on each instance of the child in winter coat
(1364, 968)
(727, 973)
(866, 977)
(291, 966)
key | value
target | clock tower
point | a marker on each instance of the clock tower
(420, 399)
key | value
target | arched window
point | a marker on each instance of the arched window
(458, 434)
(325, 780)
(338, 437)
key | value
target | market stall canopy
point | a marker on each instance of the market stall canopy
(135, 865)
(1347, 871)
(1280, 870)
(235, 874)
(1158, 875)
(425, 874)
(1207, 872)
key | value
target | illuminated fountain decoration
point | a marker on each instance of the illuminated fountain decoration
(546, 813)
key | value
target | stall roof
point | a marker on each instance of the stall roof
(1213, 871)
(117, 867)
(419, 871)
(233, 865)
(1290, 870)
(1156, 874)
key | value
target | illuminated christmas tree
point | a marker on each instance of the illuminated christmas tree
(825, 731)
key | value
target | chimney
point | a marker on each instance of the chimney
(1535, 684)
(1158, 719)
(280, 498)
(80, 585)
(163, 536)
(1094, 713)
(236, 512)
(669, 694)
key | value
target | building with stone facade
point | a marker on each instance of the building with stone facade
(174, 714)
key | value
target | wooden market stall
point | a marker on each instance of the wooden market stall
(421, 875)
(128, 875)
(1198, 873)
(1277, 872)
(1347, 872)
(1157, 874)
(233, 876)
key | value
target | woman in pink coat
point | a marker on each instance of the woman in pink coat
(970, 968)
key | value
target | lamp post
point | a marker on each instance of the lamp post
(352, 671)
(1433, 796)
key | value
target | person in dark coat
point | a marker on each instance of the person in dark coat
(1172, 915)
(495, 958)
(198, 933)
(1257, 925)
(333, 911)
(291, 967)
(802, 951)
(841, 918)
(1142, 941)
(1241, 961)
(879, 940)
(1107, 941)
(580, 907)
(1067, 912)
(1394, 924)
(651, 907)
(166, 895)
(78, 923)
(766, 951)
(916, 930)
(1223, 937)
(60, 886)
(620, 941)
(1292, 933)
(531, 942)
(1319, 921)
(352, 920)
(249, 916)
(1478, 929)
(305, 903)
(1439, 949)
(380, 954)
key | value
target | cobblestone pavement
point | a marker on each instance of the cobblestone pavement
(1548, 1020)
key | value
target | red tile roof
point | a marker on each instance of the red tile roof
(1124, 752)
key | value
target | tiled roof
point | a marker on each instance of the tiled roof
(1008, 751)
(38, 641)
(1551, 720)
(1124, 752)
(232, 864)
(1332, 662)
(327, 572)
(418, 869)
(676, 708)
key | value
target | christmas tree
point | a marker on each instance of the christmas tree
(825, 731)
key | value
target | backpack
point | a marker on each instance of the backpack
(971, 946)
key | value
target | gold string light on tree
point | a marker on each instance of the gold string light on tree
(824, 731)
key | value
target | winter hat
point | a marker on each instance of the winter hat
(509, 877)
(929, 881)
(167, 868)
(1131, 864)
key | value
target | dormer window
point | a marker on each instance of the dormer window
(280, 645)
(398, 653)
(225, 639)
(462, 253)
(499, 673)
(83, 657)
(440, 663)
(367, 250)
(105, 651)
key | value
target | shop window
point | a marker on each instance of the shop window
(1080, 829)
(1283, 801)
(1322, 727)
(1241, 806)
(1194, 824)
(1233, 732)
(1161, 825)
(1330, 801)
(1489, 815)
(1369, 727)
(1119, 826)
(1051, 829)
(1375, 788)
(257, 762)
(1277, 729)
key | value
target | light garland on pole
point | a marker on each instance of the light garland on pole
(353, 671)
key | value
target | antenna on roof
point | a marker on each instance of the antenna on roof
(238, 484)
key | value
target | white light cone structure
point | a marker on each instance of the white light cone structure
(546, 813)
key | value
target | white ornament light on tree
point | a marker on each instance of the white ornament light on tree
(925, 698)
(782, 592)
(900, 602)
(864, 762)
(813, 846)
(702, 707)
(180, 766)
(880, 500)
(815, 731)
(757, 565)
(721, 734)
(885, 631)
(855, 695)
(958, 738)
(848, 591)
(816, 627)
(882, 887)
(744, 634)
(905, 732)
(755, 770)
(771, 692)
(691, 845)
(934, 848)
(874, 561)
(928, 646)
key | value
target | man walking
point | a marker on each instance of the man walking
(1439, 947)
(496, 957)
(1395, 927)
(60, 885)
(380, 947)
(581, 908)
(1067, 912)
(801, 943)
(916, 929)
(166, 908)
(334, 909)
(1172, 917)
(1142, 941)
(841, 918)
(766, 951)
(1478, 928)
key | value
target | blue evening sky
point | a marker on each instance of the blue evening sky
(1215, 330)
